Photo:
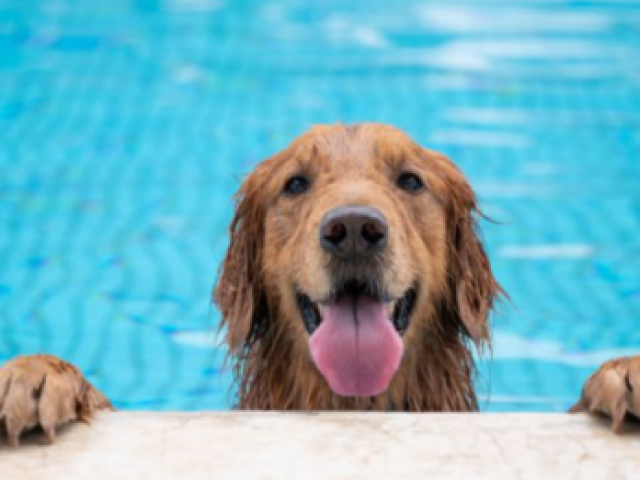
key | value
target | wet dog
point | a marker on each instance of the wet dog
(355, 279)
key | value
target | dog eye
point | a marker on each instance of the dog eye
(410, 182)
(296, 185)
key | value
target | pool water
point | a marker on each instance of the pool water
(125, 127)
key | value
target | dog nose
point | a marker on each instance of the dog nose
(353, 231)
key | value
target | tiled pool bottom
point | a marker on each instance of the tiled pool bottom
(126, 126)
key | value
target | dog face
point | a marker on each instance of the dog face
(353, 244)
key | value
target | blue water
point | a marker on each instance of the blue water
(125, 127)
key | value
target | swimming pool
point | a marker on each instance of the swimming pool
(125, 127)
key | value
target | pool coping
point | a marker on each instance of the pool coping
(275, 445)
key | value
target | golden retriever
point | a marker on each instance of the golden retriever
(355, 279)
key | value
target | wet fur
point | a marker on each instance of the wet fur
(613, 390)
(438, 242)
(267, 341)
(46, 391)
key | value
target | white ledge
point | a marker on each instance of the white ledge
(250, 445)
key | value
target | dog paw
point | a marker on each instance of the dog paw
(613, 390)
(42, 390)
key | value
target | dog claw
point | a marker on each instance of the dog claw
(578, 407)
(14, 439)
(50, 434)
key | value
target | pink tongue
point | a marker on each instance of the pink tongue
(356, 347)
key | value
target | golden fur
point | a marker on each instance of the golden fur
(274, 246)
(613, 390)
(46, 391)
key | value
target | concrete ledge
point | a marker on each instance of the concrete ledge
(239, 445)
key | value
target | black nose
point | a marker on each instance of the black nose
(354, 231)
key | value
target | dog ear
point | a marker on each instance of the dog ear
(474, 289)
(239, 292)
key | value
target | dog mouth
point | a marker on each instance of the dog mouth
(355, 336)
(402, 307)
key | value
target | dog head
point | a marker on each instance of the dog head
(353, 244)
